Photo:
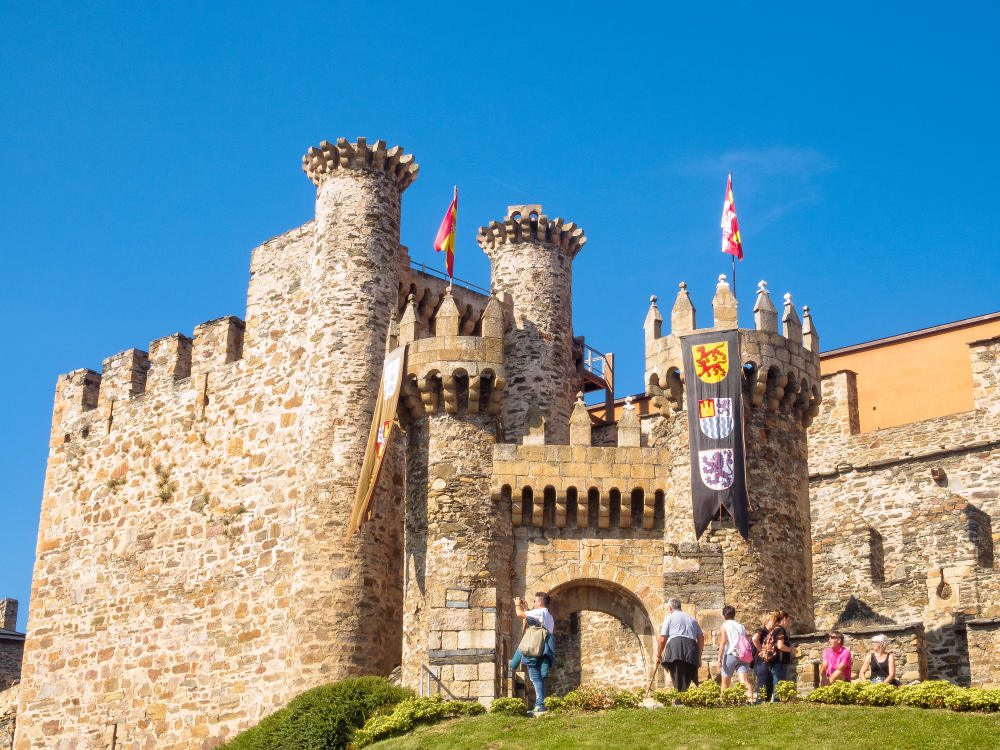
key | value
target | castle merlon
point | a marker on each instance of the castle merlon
(331, 158)
(632, 476)
(428, 292)
(134, 373)
(528, 224)
(453, 369)
(782, 369)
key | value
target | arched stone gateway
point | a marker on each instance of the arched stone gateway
(604, 634)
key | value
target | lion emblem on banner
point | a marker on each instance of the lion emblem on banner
(717, 468)
(711, 361)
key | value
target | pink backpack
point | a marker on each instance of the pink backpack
(744, 649)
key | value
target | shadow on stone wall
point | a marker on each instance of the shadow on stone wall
(858, 613)
(948, 653)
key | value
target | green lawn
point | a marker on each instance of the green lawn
(798, 726)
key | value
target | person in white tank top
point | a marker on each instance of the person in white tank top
(729, 661)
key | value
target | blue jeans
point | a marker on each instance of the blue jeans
(778, 673)
(537, 672)
(765, 688)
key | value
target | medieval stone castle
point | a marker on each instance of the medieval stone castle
(192, 571)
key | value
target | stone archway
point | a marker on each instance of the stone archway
(604, 633)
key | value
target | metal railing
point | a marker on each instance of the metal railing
(426, 675)
(597, 364)
(438, 273)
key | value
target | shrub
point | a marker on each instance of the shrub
(933, 694)
(839, 693)
(707, 694)
(508, 706)
(590, 698)
(464, 708)
(628, 698)
(878, 694)
(406, 715)
(554, 703)
(736, 695)
(324, 718)
(785, 691)
(666, 697)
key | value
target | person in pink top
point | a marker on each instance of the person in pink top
(836, 660)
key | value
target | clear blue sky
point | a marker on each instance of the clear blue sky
(147, 148)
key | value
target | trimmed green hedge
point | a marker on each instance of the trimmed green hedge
(324, 718)
(934, 694)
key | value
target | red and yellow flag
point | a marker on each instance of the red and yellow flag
(731, 242)
(445, 239)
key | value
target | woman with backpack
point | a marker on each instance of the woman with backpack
(783, 649)
(735, 651)
(763, 642)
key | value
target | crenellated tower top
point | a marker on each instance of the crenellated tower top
(781, 367)
(528, 224)
(329, 158)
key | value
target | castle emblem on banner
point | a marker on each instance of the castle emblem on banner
(711, 361)
(717, 468)
(715, 417)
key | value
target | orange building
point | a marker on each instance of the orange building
(913, 376)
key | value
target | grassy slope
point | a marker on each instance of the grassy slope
(800, 726)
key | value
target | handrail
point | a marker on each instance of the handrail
(424, 268)
(596, 363)
(424, 669)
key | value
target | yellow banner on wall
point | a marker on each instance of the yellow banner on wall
(378, 437)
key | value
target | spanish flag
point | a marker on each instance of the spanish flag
(731, 242)
(445, 239)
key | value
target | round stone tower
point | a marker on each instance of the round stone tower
(458, 538)
(345, 614)
(532, 260)
(781, 394)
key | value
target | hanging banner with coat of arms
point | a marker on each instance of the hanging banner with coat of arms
(713, 376)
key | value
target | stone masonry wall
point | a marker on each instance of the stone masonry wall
(457, 556)
(8, 717)
(166, 546)
(11, 655)
(905, 642)
(905, 520)
(532, 267)
(983, 636)
(190, 548)
(780, 371)
(597, 649)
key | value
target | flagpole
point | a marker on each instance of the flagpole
(451, 276)
(733, 257)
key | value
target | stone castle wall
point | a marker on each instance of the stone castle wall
(8, 716)
(905, 520)
(191, 574)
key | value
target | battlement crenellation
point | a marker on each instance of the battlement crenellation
(781, 368)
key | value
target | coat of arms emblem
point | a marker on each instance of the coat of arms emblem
(717, 468)
(715, 417)
(711, 361)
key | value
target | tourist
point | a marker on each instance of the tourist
(836, 660)
(731, 634)
(882, 665)
(538, 666)
(765, 650)
(680, 645)
(783, 651)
